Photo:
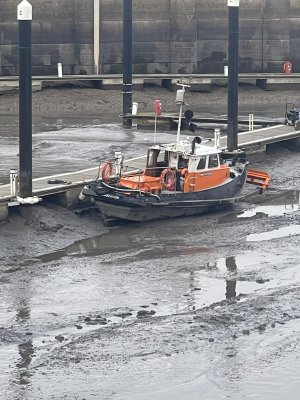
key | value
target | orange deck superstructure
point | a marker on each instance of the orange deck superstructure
(205, 179)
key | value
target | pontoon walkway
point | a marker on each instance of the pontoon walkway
(69, 184)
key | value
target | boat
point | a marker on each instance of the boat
(184, 178)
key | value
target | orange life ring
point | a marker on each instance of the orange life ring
(167, 179)
(106, 171)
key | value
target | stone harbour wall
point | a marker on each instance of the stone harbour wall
(169, 36)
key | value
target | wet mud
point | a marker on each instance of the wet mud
(192, 308)
(165, 310)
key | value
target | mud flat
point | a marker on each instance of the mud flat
(107, 104)
(209, 304)
(177, 309)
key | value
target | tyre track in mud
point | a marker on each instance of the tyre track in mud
(222, 321)
(212, 332)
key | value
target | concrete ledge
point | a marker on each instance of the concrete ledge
(275, 84)
(13, 87)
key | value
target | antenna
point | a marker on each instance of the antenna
(180, 101)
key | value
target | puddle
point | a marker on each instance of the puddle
(286, 203)
(244, 274)
(123, 243)
(273, 205)
(128, 288)
(166, 276)
(285, 231)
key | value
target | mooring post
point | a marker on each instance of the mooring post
(13, 175)
(25, 99)
(233, 74)
(127, 60)
(96, 36)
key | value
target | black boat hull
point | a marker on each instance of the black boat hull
(141, 207)
(158, 211)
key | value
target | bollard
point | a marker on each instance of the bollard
(59, 70)
(217, 137)
(13, 182)
(135, 107)
(157, 107)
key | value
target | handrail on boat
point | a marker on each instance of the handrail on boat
(127, 190)
(258, 178)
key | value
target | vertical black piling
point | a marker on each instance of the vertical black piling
(233, 74)
(127, 60)
(25, 100)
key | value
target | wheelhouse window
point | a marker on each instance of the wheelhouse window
(152, 158)
(202, 162)
(157, 160)
(213, 161)
(182, 162)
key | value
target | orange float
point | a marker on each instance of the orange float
(106, 171)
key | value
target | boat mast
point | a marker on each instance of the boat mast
(180, 101)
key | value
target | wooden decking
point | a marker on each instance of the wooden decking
(77, 179)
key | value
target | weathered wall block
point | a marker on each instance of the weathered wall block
(168, 35)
